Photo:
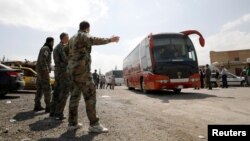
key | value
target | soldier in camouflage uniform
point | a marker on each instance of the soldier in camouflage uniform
(96, 79)
(80, 46)
(43, 68)
(61, 91)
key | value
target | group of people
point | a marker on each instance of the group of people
(101, 80)
(205, 76)
(222, 73)
(72, 77)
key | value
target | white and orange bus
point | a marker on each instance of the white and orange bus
(163, 61)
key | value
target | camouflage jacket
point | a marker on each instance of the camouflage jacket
(80, 46)
(60, 56)
(44, 60)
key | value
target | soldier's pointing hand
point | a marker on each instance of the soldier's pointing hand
(115, 39)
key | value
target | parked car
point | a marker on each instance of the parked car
(10, 80)
(232, 80)
(30, 76)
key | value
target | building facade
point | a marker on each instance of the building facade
(234, 60)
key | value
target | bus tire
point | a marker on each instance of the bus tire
(3, 93)
(143, 90)
(129, 88)
(177, 91)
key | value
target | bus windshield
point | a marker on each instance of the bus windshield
(117, 74)
(173, 48)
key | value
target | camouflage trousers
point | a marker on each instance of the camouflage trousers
(43, 87)
(89, 93)
(60, 93)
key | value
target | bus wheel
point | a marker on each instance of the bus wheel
(143, 90)
(177, 91)
(129, 88)
(3, 93)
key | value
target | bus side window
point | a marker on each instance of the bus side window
(143, 55)
(148, 56)
(149, 65)
(191, 53)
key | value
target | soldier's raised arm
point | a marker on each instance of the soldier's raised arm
(86, 38)
(101, 41)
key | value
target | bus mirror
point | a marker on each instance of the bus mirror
(202, 41)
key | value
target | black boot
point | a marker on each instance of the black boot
(51, 115)
(59, 117)
(38, 108)
(47, 110)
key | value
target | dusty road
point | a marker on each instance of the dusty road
(131, 116)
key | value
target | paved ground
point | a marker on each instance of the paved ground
(131, 115)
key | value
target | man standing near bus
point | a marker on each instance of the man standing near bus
(224, 77)
(248, 74)
(217, 77)
(207, 77)
(112, 82)
(80, 46)
(202, 77)
(109, 80)
(96, 79)
(102, 82)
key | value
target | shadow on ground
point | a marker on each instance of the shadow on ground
(24, 92)
(71, 136)
(45, 124)
(166, 96)
(21, 116)
(16, 94)
(8, 97)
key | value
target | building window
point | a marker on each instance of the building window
(237, 59)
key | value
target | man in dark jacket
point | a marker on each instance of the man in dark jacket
(208, 76)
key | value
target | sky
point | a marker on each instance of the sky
(25, 24)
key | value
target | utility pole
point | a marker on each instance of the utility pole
(3, 59)
(100, 71)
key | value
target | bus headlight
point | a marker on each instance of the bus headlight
(194, 79)
(162, 81)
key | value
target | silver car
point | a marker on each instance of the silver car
(232, 80)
